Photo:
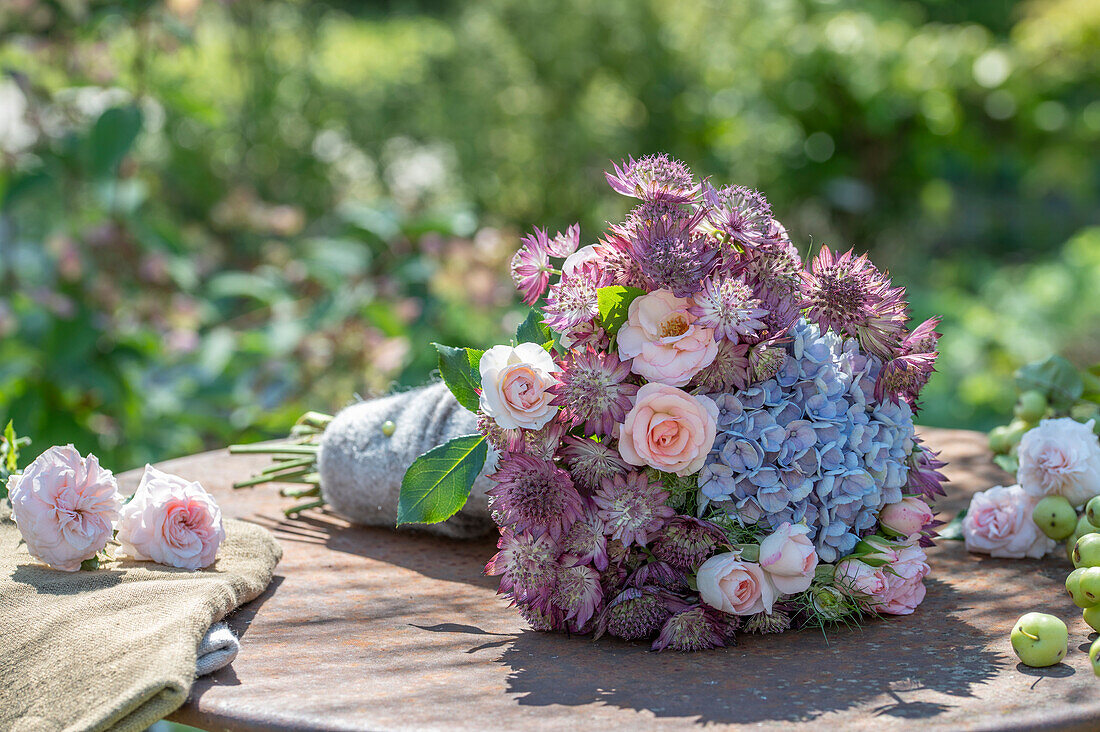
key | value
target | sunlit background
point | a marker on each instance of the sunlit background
(216, 215)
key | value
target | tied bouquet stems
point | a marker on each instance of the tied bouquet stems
(294, 463)
(694, 432)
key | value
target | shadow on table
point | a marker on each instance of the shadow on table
(792, 677)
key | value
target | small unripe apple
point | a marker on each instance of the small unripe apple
(1073, 587)
(1055, 516)
(1094, 652)
(1040, 640)
(1089, 584)
(1092, 617)
(1086, 553)
(1092, 510)
(1016, 431)
(998, 440)
(1032, 406)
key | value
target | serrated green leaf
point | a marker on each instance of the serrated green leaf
(614, 303)
(1056, 378)
(532, 330)
(436, 486)
(460, 374)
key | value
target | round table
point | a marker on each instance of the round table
(375, 629)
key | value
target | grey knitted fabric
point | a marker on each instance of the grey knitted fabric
(361, 468)
(216, 650)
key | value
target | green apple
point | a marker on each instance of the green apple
(1032, 406)
(1086, 552)
(1092, 617)
(1040, 640)
(1016, 430)
(1055, 516)
(1092, 510)
(998, 440)
(1094, 651)
(1089, 584)
(1073, 587)
(1083, 527)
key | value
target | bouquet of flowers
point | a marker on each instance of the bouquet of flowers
(695, 433)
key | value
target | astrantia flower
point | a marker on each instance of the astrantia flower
(540, 443)
(527, 565)
(742, 213)
(686, 542)
(533, 495)
(654, 178)
(633, 614)
(849, 295)
(543, 618)
(672, 256)
(923, 339)
(572, 301)
(531, 268)
(592, 391)
(659, 574)
(925, 477)
(632, 508)
(904, 377)
(729, 306)
(587, 334)
(765, 360)
(774, 622)
(649, 212)
(729, 371)
(696, 629)
(774, 271)
(617, 259)
(585, 542)
(578, 593)
(562, 245)
(590, 462)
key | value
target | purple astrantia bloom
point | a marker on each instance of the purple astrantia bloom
(588, 333)
(739, 212)
(632, 508)
(648, 213)
(541, 443)
(765, 360)
(579, 595)
(904, 377)
(670, 254)
(531, 268)
(527, 565)
(592, 391)
(533, 495)
(591, 462)
(659, 574)
(695, 629)
(542, 617)
(776, 621)
(848, 295)
(925, 477)
(687, 542)
(585, 542)
(615, 257)
(923, 338)
(730, 307)
(573, 300)
(654, 178)
(634, 614)
(730, 369)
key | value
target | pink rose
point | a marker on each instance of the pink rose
(668, 429)
(515, 385)
(906, 517)
(999, 523)
(734, 586)
(65, 507)
(896, 588)
(660, 336)
(789, 558)
(1060, 457)
(171, 521)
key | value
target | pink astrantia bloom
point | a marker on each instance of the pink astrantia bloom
(729, 307)
(585, 542)
(65, 507)
(695, 629)
(590, 461)
(634, 613)
(903, 377)
(527, 565)
(654, 178)
(533, 495)
(662, 338)
(739, 212)
(632, 508)
(592, 391)
(729, 371)
(171, 521)
(564, 245)
(579, 594)
(531, 268)
(573, 299)
(687, 541)
(671, 254)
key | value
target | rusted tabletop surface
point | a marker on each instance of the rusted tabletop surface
(373, 629)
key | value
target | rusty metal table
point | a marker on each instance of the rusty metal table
(374, 629)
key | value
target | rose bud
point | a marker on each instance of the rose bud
(906, 517)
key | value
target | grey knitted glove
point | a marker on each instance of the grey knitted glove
(217, 649)
(361, 468)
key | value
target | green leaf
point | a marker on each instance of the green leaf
(459, 371)
(1055, 377)
(437, 485)
(90, 565)
(111, 139)
(952, 530)
(614, 302)
(531, 330)
(11, 456)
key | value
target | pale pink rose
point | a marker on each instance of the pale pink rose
(171, 521)
(999, 523)
(896, 588)
(906, 517)
(732, 585)
(789, 558)
(65, 507)
(515, 385)
(668, 429)
(660, 335)
(1060, 457)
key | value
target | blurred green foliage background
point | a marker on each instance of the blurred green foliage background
(215, 215)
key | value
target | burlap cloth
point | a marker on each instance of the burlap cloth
(113, 649)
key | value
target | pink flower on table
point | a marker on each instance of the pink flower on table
(906, 517)
(661, 336)
(789, 558)
(999, 523)
(896, 588)
(734, 586)
(1061, 457)
(668, 429)
(65, 507)
(515, 385)
(171, 521)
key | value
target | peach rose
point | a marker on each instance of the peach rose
(65, 507)
(789, 558)
(734, 586)
(660, 335)
(171, 521)
(515, 385)
(668, 429)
